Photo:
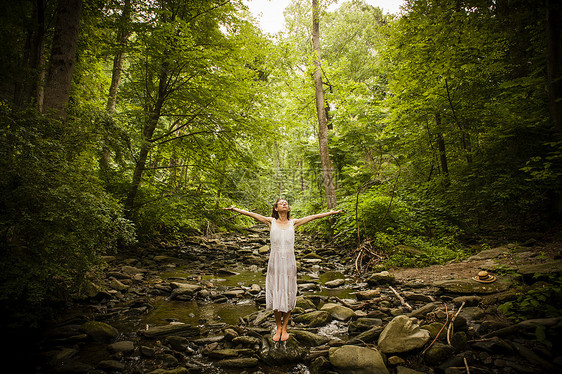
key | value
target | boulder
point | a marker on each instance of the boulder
(339, 312)
(243, 362)
(488, 254)
(308, 338)
(281, 353)
(469, 286)
(180, 330)
(100, 331)
(247, 341)
(439, 352)
(124, 346)
(368, 294)
(313, 319)
(305, 303)
(402, 334)
(351, 359)
(363, 323)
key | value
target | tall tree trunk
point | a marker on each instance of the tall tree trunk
(321, 111)
(122, 38)
(442, 151)
(554, 61)
(148, 132)
(63, 53)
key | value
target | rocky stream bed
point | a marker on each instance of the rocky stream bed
(198, 307)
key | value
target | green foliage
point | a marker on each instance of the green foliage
(56, 221)
(541, 300)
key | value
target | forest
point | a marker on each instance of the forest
(128, 122)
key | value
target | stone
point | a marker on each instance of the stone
(402, 334)
(320, 365)
(147, 352)
(434, 329)
(368, 336)
(263, 249)
(418, 296)
(305, 303)
(471, 300)
(308, 338)
(246, 340)
(177, 343)
(368, 294)
(339, 312)
(395, 360)
(363, 323)
(228, 353)
(183, 291)
(313, 319)
(422, 312)
(488, 254)
(117, 285)
(437, 353)
(275, 353)
(351, 359)
(405, 370)
(124, 346)
(383, 277)
(111, 365)
(459, 341)
(230, 334)
(179, 370)
(335, 283)
(469, 286)
(100, 331)
(243, 362)
(254, 289)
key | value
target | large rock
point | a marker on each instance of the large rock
(309, 338)
(339, 312)
(488, 254)
(469, 286)
(183, 291)
(351, 359)
(281, 353)
(305, 303)
(402, 334)
(180, 330)
(334, 283)
(100, 331)
(313, 319)
(368, 294)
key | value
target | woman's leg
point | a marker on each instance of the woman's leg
(279, 323)
(284, 333)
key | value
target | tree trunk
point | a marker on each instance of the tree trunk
(320, 109)
(63, 53)
(148, 132)
(442, 151)
(122, 38)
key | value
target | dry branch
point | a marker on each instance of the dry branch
(402, 301)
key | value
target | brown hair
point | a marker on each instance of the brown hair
(275, 213)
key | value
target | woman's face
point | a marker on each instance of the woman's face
(283, 206)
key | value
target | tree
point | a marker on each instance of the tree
(61, 61)
(327, 176)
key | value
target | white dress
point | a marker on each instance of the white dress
(281, 278)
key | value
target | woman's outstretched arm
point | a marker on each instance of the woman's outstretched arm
(302, 221)
(259, 217)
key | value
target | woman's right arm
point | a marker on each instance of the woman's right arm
(259, 217)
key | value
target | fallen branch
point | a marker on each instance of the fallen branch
(466, 365)
(451, 325)
(402, 301)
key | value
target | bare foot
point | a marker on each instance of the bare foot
(284, 336)
(277, 336)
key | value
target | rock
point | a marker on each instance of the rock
(124, 346)
(180, 330)
(313, 319)
(100, 331)
(226, 272)
(405, 370)
(434, 329)
(395, 360)
(472, 313)
(179, 370)
(177, 343)
(437, 353)
(209, 339)
(166, 360)
(334, 283)
(246, 340)
(305, 303)
(422, 312)
(131, 270)
(254, 289)
(183, 291)
(110, 365)
(234, 293)
(228, 353)
(230, 334)
(368, 336)
(383, 277)
(309, 338)
(469, 286)
(472, 300)
(320, 365)
(243, 362)
(275, 353)
(339, 312)
(351, 359)
(459, 341)
(494, 345)
(117, 285)
(363, 323)
(402, 334)
(418, 296)
(147, 352)
(368, 294)
(489, 253)
(263, 249)
(544, 268)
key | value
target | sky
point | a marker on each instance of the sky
(269, 13)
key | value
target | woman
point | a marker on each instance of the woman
(281, 278)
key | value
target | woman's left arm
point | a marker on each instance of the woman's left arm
(302, 221)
